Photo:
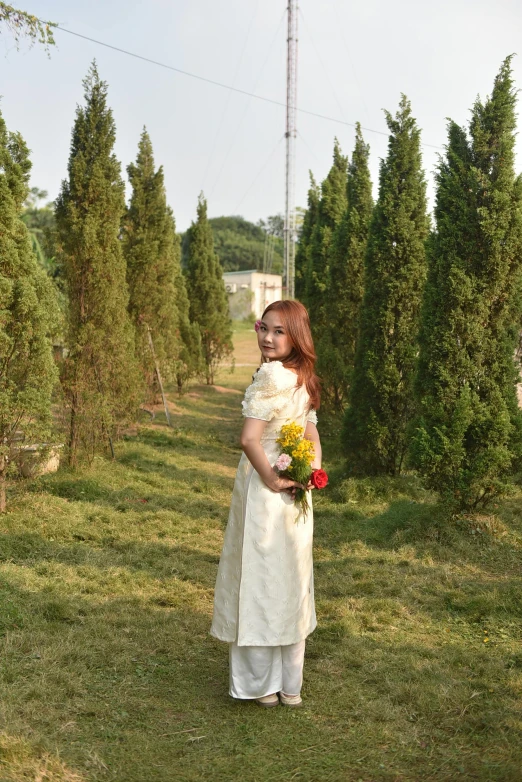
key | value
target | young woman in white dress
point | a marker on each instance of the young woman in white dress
(264, 596)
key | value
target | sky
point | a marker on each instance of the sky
(355, 59)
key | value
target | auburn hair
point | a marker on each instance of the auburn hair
(302, 358)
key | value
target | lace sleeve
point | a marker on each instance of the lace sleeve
(269, 392)
(312, 417)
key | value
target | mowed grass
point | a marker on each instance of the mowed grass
(108, 672)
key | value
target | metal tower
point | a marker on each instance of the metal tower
(291, 136)
(268, 256)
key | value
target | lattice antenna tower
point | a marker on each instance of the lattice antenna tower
(268, 255)
(291, 139)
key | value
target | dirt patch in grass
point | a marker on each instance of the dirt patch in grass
(223, 390)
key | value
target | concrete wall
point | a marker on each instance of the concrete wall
(254, 291)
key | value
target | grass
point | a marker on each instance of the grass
(107, 670)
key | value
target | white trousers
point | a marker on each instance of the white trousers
(256, 671)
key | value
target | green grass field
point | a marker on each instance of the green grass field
(108, 672)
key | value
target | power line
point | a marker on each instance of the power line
(265, 164)
(225, 107)
(226, 86)
(321, 62)
(340, 30)
(240, 123)
(307, 145)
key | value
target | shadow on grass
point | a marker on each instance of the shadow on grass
(184, 438)
(176, 474)
(428, 592)
(100, 621)
(202, 401)
(190, 492)
(339, 523)
(162, 561)
(422, 526)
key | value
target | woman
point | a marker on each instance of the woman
(264, 596)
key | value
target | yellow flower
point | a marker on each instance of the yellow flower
(303, 450)
(290, 435)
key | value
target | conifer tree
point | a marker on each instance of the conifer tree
(152, 253)
(189, 360)
(207, 295)
(28, 315)
(331, 207)
(381, 395)
(345, 285)
(468, 439)
(303, 246)
(100, 378)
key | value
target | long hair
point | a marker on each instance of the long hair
(302, 358)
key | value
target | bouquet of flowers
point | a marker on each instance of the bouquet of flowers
(297, 455)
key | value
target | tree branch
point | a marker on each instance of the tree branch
(24, 25)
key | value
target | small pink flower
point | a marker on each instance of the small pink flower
(257, 325)
(283, 461)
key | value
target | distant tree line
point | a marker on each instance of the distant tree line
(417, 326)
(240, 244)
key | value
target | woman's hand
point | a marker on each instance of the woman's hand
(253, 429)
(279, 484)
(310, 485)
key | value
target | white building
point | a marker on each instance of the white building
(251, 291)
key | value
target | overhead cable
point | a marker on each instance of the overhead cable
(225, 86)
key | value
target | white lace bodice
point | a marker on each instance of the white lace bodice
(273, 396)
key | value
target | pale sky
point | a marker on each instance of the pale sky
(355, 58)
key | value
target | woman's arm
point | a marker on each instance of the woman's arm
(251, 434)
(312, 434)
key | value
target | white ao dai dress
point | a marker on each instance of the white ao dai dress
(264, 594)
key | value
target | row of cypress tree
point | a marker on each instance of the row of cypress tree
(416, 329)
(131, 314)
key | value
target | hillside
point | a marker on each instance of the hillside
(240, 244)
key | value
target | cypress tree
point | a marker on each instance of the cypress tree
(331, 207)
(100, 377)
(381, 395)
(28, 313)
(303, 246)
(468, 437)
(344, 294)
(152, 252)
(207, 295)
(189, 360)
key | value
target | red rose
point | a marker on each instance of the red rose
(319, 479)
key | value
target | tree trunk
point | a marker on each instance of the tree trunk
(3, 505)
(73, 433)
(158, 377)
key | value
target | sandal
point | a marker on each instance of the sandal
(290, 700)
(267, 701)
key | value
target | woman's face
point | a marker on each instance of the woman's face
(272, 338)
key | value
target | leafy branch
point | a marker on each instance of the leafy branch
(24, 25)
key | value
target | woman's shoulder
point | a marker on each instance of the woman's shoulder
(273, 376)
(269, 392)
